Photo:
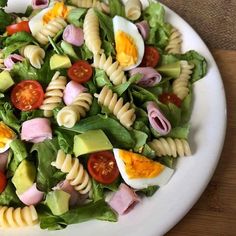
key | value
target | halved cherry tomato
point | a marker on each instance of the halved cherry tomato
(151, 57)
(170, 98)
(27, 95)
(81, 71)
(102, 167)
(21, 26)
(3, 181)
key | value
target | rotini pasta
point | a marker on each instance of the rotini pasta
(113, 70)
(91, 3)
(2, 66)
(175, 41)
(133, 9)
(50, 29)
(20, 19)
(180, 85)
(123, 112)
(19, 217)
(91, 32)
(54, 94)
(35, 54)
(71, 114)
(170, 147)
(77, 175)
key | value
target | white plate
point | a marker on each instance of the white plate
(156, 215)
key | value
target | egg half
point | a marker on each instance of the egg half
(139, 172)
(6, 136)
(129, 43)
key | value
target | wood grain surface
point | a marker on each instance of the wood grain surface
(215, 212)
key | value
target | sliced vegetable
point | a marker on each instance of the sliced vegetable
(151, 57)
(3, 181)
(21, 26)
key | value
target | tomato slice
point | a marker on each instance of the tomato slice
(81, 71)
(102, 167)
(21, 26)
(170, 98)
(151, 57)
(3, 181)
(27, 95)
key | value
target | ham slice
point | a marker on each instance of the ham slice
(3, 160)
(123, 200)
(157, 120)
(31, 196)
(10, 61)
(73, 35)
(39, 4)
(36, 130)
(143, 28)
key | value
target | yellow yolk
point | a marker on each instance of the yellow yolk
(59, 10)
(138, 166)
(126, 50)
(6, 134)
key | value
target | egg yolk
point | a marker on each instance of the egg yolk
(138, 166)
(59, 10)
(126, 50)
(6, 134)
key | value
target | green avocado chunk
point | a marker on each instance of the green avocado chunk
(58, 202)
(59, 62)
(91, 141)
(6, 81)
(172, 70)
(24, 176)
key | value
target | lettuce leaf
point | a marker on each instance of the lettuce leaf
(116, 8)
(5, 19)
(3, 3)
(76, 16)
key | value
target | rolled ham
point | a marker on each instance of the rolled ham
(3, 160)
(150, 76)
(10, 61)
(73, 35)
(157, 120)
(71, 91)
(39, 4)
(36, 130)
(143, 28)
(32, 196)
(123, 200)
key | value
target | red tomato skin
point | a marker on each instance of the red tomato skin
(3, 181)
(151, 57)
(170, 98)
(21, 26)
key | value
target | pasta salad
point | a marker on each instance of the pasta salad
(95, 103)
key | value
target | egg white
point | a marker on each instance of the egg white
(121, 24)
(141, 183)
(6, 147)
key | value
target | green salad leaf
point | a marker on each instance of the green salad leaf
(3, 3)
(5, 19)
(76, 16)
(116, 8)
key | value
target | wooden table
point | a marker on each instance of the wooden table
(215, 212)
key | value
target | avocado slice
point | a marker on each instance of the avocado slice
(58, 202)
(91, 141)
(172, 69)
(24, 176)
(59, 62)
(6, 81)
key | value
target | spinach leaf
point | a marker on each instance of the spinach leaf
(149, 191)
(98, 193)
(116, 8)
(100, 78)
(180, 132)
(148, 152)
(168, 161)
(28, 115)
(83, 52)
(5, 19)
(140, 139)
(65, 141)
(3, 3)
(76, 16)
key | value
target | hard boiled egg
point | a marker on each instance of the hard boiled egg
(129, 43)
(140, 172)
(6, 136)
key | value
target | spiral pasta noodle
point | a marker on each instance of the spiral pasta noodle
(34, 53)
(50, 29)
(77, 175)
(175, 41)
(91, 32)
(91, 3)
(71, 114)
(123, 112)
(180, 85)
(170, 147)
(133, 9)
(19, 217)
(2, 66)
(113, 69)
(20, 19)
(54, 94)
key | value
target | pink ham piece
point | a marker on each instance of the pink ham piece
(31, 196)
(71, 91)
(150, 76)
(73, 35)
(3, 160)
(39, 4)
(143, 28)
(11, 60)
(123, 200)
(36, 130)
(157, 120)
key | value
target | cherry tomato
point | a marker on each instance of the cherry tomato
(3, 181)
(81, 71)
(170, 98)
(151, 57)
(27, 95)
(102, 167)
(21, 26)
